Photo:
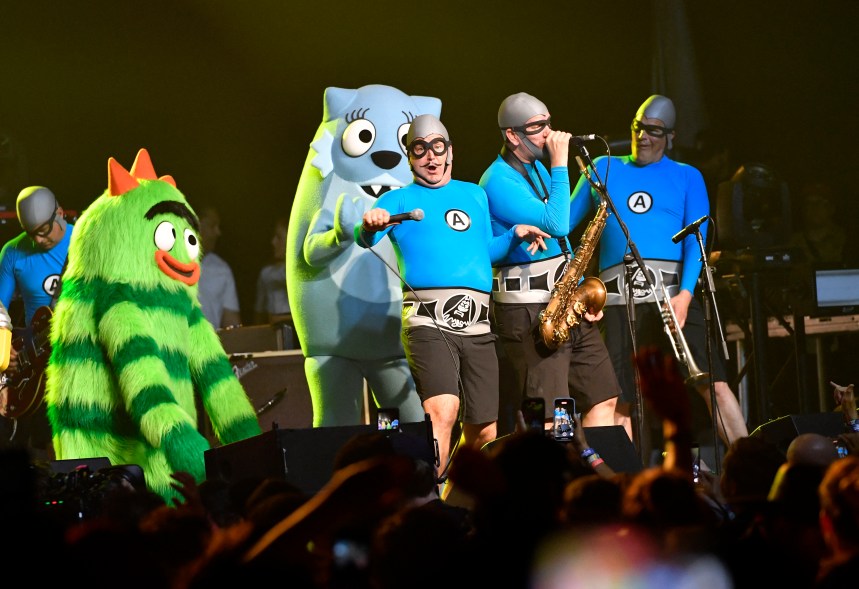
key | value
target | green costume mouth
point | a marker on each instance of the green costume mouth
(189, 273)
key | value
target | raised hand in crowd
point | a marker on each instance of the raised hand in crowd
(665, 393)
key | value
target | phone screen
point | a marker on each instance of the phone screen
(534, 412)
(562, 420)
(389, 418)
(696, 463)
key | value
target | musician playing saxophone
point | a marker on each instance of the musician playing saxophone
(656, 197)
(522, 190)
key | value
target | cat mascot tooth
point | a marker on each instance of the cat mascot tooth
(346, 304)
(131, 351)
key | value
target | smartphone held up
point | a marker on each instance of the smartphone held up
(534, 412)
(562, 419)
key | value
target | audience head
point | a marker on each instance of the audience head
(839, 502)
(748, 470)
(812, 449)
(376, 444)
(794, 491)
(592, 500)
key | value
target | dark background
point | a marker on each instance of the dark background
(227, 95)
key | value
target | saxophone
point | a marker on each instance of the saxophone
(569, 299)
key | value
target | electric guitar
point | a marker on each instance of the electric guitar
(23, 388)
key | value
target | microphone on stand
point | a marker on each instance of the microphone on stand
(689, 229)
(579, 141)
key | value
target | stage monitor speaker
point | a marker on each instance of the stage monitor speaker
(304, 457)
(615, 447)
(783, 430)
(610, 442)
(69, 464)
(257, 338)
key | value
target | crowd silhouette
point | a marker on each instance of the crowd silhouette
(527, 512)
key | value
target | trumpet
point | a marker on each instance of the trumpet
(678, 343)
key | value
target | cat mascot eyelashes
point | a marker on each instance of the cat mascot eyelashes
(131, 350)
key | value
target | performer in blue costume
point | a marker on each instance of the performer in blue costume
(656, 197)
(521, 190)
(345, 302)
(30, 265)
(446, 264)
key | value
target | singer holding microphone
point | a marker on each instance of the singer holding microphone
(522, 190)
(664, 204)
(441, 234)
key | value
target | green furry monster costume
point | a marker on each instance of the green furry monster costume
(131, 349)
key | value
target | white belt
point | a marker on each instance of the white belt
(527, 283)
(660, 272)
(460, 310)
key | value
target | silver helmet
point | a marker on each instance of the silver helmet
(425, 125)
(659, 107)
(36, 205)
(514, 112)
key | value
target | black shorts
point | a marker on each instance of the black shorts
(440, 362)
(650, 331)
(580, 368)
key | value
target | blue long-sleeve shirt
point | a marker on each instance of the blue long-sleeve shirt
(452, 246)
(655, 201)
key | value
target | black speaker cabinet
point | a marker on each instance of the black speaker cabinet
(610, 442)
(277, 388)
(70, 464)
(783, 430)
(615, 447)
(304, 457)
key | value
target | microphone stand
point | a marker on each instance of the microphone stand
(598, 185)
(638, 416)
(711, 311)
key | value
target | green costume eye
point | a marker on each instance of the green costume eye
(165, 236)
(192, 244)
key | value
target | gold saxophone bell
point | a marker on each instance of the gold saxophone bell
(681, 349)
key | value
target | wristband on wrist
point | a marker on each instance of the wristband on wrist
(593, 458)
(853, 425)
(587, 452)
(597, 462)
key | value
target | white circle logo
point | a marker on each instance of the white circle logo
(639, 202)
(50, 284)
(457, 220)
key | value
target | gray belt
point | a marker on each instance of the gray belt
(660, 272)
(459, 310)
(527, 283)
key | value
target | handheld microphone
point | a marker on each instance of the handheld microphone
(415, 215)
(577, 138)
(689, 229)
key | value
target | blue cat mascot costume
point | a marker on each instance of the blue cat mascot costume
(346, 303)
